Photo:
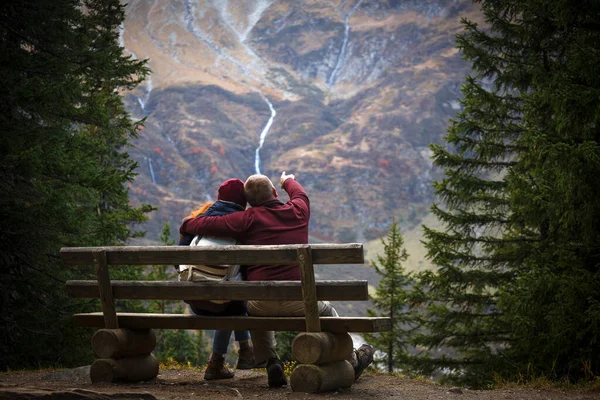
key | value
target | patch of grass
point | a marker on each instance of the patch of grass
(543, 382)
(171, 363)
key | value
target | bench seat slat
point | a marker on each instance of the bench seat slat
(351, 253)
(191, 321)
(217, 290)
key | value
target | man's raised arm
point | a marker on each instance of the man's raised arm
(297, 194)
(232, 225)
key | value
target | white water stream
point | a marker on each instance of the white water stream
(144, 101)
(190, 20)
(263, 135)
(342, 54)
(141, 100)
(151, 170)
(253, 16)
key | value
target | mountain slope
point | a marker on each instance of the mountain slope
(354, 92)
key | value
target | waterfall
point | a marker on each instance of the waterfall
(142, 101)
(151, 170)
(146, 93)
(254, 17)
(121, 33)
(342, 54)
(190, 21)
(263, 135)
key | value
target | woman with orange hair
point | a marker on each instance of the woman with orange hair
(230, 199)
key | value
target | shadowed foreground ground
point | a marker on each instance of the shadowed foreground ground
(175, 384)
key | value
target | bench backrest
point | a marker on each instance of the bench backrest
(303, 255)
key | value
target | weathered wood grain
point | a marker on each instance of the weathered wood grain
(217, 290)
(105, 290)
(309, 378)
(309, 291)
(351, 253)
(189, 321)
(122, 343)
(321, 347)
(134, 369)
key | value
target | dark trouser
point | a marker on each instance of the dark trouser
(232, 308)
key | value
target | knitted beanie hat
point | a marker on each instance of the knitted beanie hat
(232, 190)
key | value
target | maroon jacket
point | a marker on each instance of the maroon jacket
(270, 223)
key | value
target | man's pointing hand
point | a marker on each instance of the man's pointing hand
(284, 177)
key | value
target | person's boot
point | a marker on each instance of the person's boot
(275, 373)
(364, 358)
(216, 368)
(246, 359)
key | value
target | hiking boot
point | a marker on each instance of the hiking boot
(216, 369)
(364, 358)
(275, 373)
(246, 359)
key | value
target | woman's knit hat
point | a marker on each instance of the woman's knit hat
(232, 190)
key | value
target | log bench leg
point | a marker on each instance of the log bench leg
(124, 355)
(323, 365)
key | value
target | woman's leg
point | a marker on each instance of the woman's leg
(221, 341)
(242, 336)
(216, 368)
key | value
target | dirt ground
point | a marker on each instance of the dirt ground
(188, 384)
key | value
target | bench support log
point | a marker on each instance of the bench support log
(310, 378)
(321, 347)
(134, 369)
(121, 343)
(106, 297)
(309, 291)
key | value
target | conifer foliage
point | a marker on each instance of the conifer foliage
(63, 165)
(391, 301)
(517, 285)
(553, 305)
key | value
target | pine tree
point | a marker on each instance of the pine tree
(554, 305)
(284, 344)
(476, 253)
(391, 300)
(516, 290)
(64, 170)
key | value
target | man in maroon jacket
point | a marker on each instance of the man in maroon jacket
(269, 221)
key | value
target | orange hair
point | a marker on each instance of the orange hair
(197, 211)
(200, 209)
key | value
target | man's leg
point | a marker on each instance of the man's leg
(246, 353)
(361, 358)
(264, 342)
(264, 345)
(264, 351)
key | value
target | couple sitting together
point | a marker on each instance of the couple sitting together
(268, 222)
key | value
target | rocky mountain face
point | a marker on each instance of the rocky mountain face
(345, 94)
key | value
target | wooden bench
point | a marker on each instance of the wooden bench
(125, 344)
